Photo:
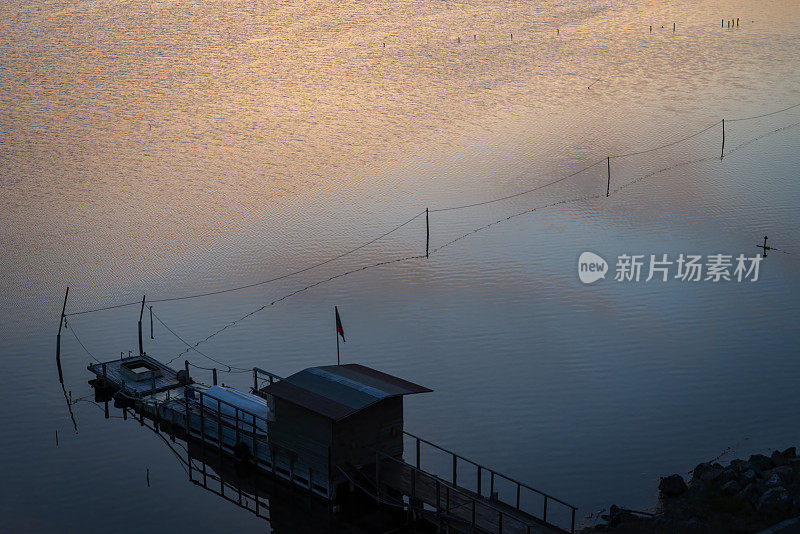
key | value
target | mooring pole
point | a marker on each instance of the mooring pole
(151, 322)
(722, 154)
(608, 184)
(214, 375)
(141, 348)
(427, 232)
(58, 338)
(186, 397)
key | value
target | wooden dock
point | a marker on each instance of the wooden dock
(241, 425)
(455, 506)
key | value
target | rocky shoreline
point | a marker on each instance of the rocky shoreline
(745, 496)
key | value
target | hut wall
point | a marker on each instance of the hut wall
(306, 433)
(379, 427)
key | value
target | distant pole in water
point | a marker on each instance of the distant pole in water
(737, 22)
(673, 27)
(723, 23)
(512, 36)
(427, 232)
(651, 28)
(608, 184)
(58, 337)
(141, 347)
(558, 32)
(459, 40)
(722, 154)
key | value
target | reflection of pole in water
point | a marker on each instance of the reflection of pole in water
(61, 322)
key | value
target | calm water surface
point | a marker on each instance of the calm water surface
(170, 148)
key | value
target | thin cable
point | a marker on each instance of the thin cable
(704, 130)
(230, 367)
(104, 308)
(288, 295)
(764, 115)
(255, 284)
(522, 192)
(75, 334)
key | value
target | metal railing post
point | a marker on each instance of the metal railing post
(236, 420)
(202, 419)
(377, 475)
(219, 426)
(544, 515)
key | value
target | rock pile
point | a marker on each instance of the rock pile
(744, 496)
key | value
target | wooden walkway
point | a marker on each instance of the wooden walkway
(430, 495)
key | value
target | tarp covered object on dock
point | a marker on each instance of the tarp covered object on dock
(233, 399)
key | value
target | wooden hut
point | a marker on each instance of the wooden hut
(337, 416)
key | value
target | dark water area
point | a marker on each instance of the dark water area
(176, 148)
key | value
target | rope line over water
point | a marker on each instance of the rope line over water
(235, 369)
(194, 348)
(423, 212)
(667, 145)
(247, 286)
(765, 114)
(71, 328)
(538, 187)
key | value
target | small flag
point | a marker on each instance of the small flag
(339, 329)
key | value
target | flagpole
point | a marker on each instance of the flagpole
(336, 333)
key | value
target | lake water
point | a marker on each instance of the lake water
(174, 148)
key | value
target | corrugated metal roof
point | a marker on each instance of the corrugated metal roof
(337, 391)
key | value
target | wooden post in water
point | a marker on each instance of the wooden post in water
(427, 232)
(608, 184)
(141, 348)
(58, 338)
(186, 395)
(214, 376)
(722, 154)
(255, 378)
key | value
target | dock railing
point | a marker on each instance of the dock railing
(458, 504)
(234, 425)
(494, 476)
(267, 376)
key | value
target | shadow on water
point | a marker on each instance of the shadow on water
(281, 506)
